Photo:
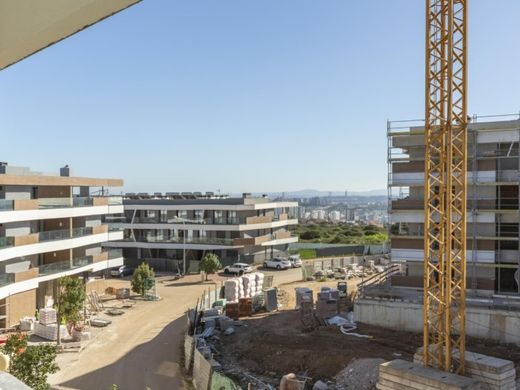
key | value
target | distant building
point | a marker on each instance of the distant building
(335, 216)
(167, 227)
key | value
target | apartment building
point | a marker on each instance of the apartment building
(50, 226)
(493, 257)
(188, 225)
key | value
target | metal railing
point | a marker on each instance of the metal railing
(6, 204)
(56, 203)
(65, 234)
(180, 240)
(6, 279)
(61, 266)
(114, 253)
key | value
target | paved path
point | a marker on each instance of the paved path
(142, 347)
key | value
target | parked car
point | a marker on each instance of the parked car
(277, 263)
(295, 260)
(121, 271)
(238, 269)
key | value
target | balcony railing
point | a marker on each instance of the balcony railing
(57, 203)
(66, 265)
(180, 240)
(503, 203)
(65, 234)
(6, 279)
(51, 235)
(61, 266)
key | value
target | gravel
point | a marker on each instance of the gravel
(360, 374)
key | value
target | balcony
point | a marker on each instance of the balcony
(56, 203)
(253, 241)
(52, 235)
(180, 240)
(478, 204)
(213, 221)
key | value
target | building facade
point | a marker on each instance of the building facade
(50, 226)
(172, 227)
(493, 257)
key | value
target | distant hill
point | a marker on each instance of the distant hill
(309, 193)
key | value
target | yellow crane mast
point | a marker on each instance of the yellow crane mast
(445, 184)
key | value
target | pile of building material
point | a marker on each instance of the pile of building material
(27, 324)
(48, 316)
(123, 293)
(400, 374)
(303, 294)
(246, 286)
(245, 307)
(494, 373)
(232, 310)
(327, 304)
(47, 326)
(271, 299)
(233, 290)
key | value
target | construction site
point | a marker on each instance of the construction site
(441, 310)
(307, 333)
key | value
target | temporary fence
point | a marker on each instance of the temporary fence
(201, 369)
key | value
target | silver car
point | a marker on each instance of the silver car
(277, 263)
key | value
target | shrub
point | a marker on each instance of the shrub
(142, 279)
(210, 264)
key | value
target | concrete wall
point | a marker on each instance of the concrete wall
(201, 371)
(188, 352)
(498, 325)
(21, 305)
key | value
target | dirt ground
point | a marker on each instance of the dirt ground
(141, 348)
(271, 345)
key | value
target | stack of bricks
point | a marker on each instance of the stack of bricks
(403, 375)
(245, 307)
(232, 310)
(327, 304)
(494, 373)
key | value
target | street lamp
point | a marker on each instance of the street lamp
(183, 221)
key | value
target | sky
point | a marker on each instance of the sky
(242, 95)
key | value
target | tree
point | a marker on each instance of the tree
(30, 364)
(310, 235)
(374, 239)
(71, 299)
(210, 264)
(141, 279)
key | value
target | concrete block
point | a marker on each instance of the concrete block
(410, 374)
(496, 373)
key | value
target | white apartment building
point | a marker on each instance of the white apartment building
(175, 226)
(50, 226)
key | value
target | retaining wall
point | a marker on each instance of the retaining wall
(201, 371)
(498, 325)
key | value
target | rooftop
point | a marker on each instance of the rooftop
(13, 175)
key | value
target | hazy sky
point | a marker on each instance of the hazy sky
(242, 95)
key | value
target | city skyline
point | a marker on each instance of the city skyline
(273, 93)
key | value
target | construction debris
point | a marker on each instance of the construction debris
(360, 374)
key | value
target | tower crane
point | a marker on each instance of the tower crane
(445, 184)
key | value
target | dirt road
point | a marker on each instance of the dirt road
(141, 348)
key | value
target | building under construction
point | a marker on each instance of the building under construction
(493, 257)
(395, 299)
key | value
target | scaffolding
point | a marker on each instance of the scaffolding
(493, 181)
